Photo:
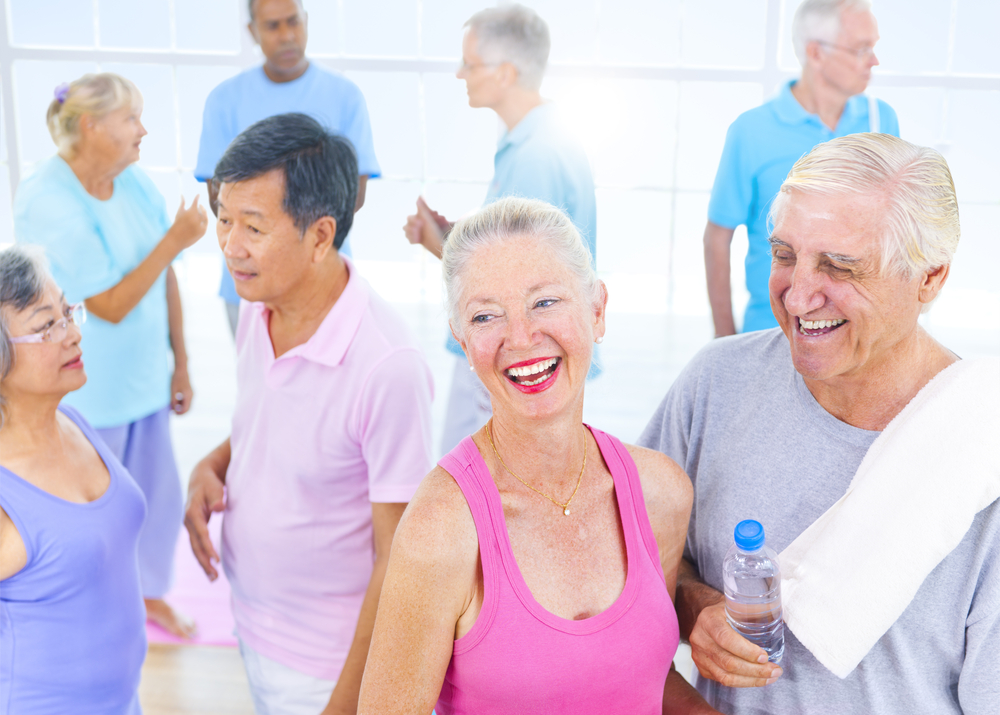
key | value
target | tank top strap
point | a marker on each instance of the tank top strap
(627, 483)
(467, 468)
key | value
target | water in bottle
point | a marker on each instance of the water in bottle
(752, 581)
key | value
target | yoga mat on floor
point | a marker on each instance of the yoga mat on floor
(198, 598)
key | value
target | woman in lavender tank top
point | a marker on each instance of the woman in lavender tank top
(534, 570)
(72, 635)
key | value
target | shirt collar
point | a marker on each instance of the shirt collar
(329, 344)
(526, 127)
(789, 110)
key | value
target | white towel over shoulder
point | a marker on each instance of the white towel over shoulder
(852, 573)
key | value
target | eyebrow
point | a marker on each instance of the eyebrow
(838, 257)
(244, 212)
(47, 306)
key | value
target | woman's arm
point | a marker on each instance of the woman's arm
(431, 581)
(13, 555)
(181, 393)
(118, 301)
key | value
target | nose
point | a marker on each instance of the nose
(873, 60)
(520, 332)
(805, 291)
(142, 129)
(229, 241)
(73, 335)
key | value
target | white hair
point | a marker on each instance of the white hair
(920, 227)
(820, 20)
(516, 34)
(507, 219)
(93, 94)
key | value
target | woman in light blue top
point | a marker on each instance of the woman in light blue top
(71, 615)
(104, 227)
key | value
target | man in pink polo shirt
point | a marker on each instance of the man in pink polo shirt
(331, 434)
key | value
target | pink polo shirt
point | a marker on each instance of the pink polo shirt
(332, 425)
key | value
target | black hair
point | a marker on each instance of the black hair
(251, 2)
(321, 169)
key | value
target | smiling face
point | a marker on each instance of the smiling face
(528, 328)
(842, 318)
(117, 135)
(50, 369)
(280, 28)
(847, 63)
(264, 250)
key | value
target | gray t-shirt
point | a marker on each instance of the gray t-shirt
(756, 444)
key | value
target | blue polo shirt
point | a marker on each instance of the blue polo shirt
(91, 246)
(329, 98)
(537, 159)
(761, 147)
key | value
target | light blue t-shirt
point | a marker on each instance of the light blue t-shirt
(537, 159)
(91, 246)
(761, 147)
(331, 99)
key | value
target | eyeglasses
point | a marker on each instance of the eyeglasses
(465, 67)
(55, 333)
(861, 53)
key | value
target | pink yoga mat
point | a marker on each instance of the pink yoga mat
(198, 598)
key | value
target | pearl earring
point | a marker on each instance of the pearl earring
(599, 339)
(471, 369)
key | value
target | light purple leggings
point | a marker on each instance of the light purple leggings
(145, 449)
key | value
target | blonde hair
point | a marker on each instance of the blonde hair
(920, 227)
(510, 218)
(93, 94)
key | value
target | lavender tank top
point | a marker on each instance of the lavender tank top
(520, 658)
(72, 621)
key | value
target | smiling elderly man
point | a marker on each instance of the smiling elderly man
(331, 433)
(843, 432)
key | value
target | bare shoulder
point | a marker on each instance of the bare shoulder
(666, 488)
(437, 529)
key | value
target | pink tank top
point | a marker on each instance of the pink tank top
(520, 658)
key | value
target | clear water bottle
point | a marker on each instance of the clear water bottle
(752, 581)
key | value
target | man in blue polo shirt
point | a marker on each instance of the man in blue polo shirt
(286, 82)
(835, 43)
(504, 53)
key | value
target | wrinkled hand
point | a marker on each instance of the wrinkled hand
(189, 224)
(205, 495)
(723, 655)
(427, 228)
(181, 392)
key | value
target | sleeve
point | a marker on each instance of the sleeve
(888, 118)
(394, 425)
(979, 682)
(359, 131)
(215, 136)
(80, 261)
(732, 192)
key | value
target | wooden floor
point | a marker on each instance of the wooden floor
(194, 680)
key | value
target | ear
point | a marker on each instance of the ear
(814, 52)
(931, 284)
(252, 28)
(460, 341)
(600, 310)
(507, 75)
(321, 235)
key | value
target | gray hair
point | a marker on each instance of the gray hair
(510, 218)
(24, 273)
(920, 215)
(820, 20)
(516, 34)
(93, 94)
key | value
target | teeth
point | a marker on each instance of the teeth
(818, 324)
(531, 369)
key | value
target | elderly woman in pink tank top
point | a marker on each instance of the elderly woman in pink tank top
(534, 570)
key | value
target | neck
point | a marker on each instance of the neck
(871, 399)
(95, 172)
(541, 452)
(29, 425)
(297, 315)
(279, 75)
(516, 104)
(818, 97)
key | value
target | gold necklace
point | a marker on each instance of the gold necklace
(564, 507)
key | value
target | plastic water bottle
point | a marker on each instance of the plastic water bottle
(752, 582)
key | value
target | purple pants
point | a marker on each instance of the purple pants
(145, 449)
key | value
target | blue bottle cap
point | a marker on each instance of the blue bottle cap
(749, 535)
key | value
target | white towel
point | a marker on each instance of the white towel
(852, 573)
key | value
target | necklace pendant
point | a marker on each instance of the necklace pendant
(566, 511)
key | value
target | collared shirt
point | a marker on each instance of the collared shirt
(91, 246)
(319, 433)
(538, 159)
(761, 147)
(330, 98)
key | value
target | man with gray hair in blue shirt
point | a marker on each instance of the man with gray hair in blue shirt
(504, 53)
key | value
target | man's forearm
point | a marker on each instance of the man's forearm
(680, 697)
(692, 596)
